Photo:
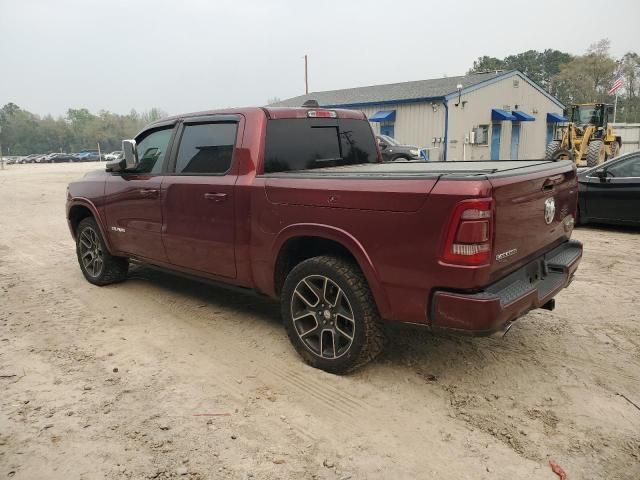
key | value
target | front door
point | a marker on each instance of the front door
(515, 140)
(198, 208)
(617, 195)
(133, 208)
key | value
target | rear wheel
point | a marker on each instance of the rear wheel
(97, 264)
(555, 153)
(330, 315)
(596, 153)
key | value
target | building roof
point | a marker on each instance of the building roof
(420, 90)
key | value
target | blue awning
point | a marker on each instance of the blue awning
(384, 116)
(555, 118)
(498, 115)
(522, 116)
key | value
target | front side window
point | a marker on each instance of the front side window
(206, 148)
(305, 144)
(625, 168)
(152, 150)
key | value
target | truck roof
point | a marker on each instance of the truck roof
(271, 112)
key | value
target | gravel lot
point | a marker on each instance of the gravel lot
(160, 377)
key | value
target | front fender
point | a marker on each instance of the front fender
(85, 202)
(349, 242)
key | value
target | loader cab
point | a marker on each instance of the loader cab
(589, 114)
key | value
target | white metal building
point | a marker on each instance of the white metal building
(497, 115)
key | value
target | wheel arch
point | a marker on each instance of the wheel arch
(303, 241)
(81, 209)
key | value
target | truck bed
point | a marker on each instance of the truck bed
(425, 169)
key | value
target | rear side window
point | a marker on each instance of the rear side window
(305, 144)
(206, 148)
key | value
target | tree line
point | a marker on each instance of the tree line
(578, 78)
(23, 132)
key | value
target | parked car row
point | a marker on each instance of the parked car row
(83, 156)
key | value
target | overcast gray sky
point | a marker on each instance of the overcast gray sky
(196, 54)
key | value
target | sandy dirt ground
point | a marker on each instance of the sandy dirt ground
(160, 377)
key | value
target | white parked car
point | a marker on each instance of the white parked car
(117, 155)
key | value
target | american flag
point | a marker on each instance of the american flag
(617, 82)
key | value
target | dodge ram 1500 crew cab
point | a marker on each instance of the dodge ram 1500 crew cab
(296, 203)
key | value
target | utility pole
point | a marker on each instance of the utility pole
(306, 76)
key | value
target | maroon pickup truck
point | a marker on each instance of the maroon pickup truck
(295, 203)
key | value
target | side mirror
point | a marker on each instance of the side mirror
(601, 174)
(383, 145)
(130, 154)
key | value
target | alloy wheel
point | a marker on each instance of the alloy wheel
(91, 253)
(322, 316)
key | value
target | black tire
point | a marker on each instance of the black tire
(366, 331)
(400, 158)
(90, 248)
(551, 149)
(596, 153)
(555, 153)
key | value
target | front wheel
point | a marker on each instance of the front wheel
(596, 153)
(97, 264)
(330, 315)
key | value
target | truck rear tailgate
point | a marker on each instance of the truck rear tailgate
(534, 211)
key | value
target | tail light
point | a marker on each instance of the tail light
(470, 233)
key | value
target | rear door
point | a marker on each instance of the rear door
(616, 196)
(198, 206)
(133, 207)
(531, 209)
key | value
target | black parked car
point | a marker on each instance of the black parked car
(610, 193)
(392, 150)
(60, 157)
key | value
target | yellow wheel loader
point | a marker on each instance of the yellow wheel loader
(587, 138)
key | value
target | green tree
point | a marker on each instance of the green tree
(587, 78)
(24, 133)
(487, 64)
(541, 67)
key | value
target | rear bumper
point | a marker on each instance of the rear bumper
(495, 307)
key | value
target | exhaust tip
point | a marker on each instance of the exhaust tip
(504, 330)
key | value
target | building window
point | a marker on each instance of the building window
(482, 135)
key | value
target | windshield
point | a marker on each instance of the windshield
(586, 114)
(388, 139)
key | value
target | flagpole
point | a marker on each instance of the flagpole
(615, 107)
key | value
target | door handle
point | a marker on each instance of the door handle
(215, 196)
(149, 192)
